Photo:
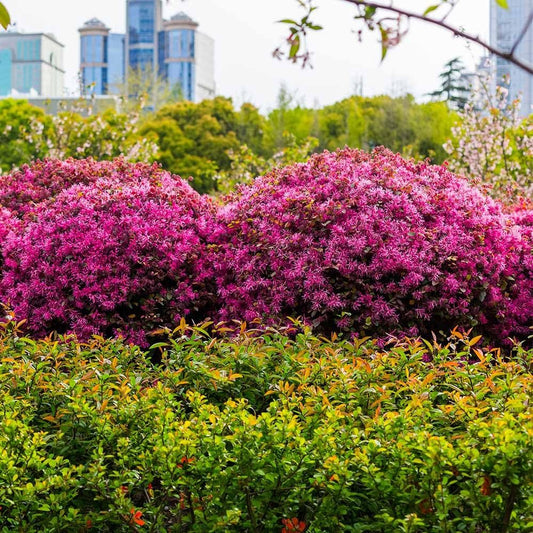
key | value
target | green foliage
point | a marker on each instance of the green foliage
(24, 129)
(194, 139)
(400, 124)
(453, 89)
(246, 434)
(102, 136)
(5, 19)
(27, 133)
(246, 165)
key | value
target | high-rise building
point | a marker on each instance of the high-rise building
(143, 23)
(101, 58)
(31, 64)
(172, 49)
(506, 26)
(187, 57)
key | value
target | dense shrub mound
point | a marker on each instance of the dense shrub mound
(112, 256)
(253, 434)
(373, 243)
(21, 190)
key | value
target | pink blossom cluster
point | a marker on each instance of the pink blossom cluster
(23, 189)
(122, 255)
(363, 243)
(374, 244)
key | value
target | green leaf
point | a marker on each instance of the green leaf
(287, 21)
(294, 47)
(503, 3)
(5, 19)
(384, 40)
(430, 9)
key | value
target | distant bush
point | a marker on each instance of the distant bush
(373, 243)
(123, 253)
(258, 433)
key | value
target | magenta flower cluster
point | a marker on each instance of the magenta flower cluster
(122, 250)
(349, 241)
(375, 244)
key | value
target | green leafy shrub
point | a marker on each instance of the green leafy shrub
(264, 433)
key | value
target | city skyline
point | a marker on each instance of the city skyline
(172, 50)
(246, 32)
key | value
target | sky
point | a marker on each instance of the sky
(246, 33)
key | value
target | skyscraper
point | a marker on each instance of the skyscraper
(101, 58)
(31, 64)
(186, 57)
(143, 23)
(506, 26)
(172, 49)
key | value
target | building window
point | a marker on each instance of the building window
(180, 44)
(141, 59)
(141, 21)
(93, 49)
(29, 50)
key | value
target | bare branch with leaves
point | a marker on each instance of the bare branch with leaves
(392, 23)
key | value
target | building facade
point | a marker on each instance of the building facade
(101, 58)
(187, 58)
(506, 26)
(31, 64)
(173, 50)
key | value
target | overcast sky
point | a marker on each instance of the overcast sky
(245, 33)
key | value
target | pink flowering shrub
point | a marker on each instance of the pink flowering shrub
(113, 256)
(8, 223)
(23, 189)
(374, 244)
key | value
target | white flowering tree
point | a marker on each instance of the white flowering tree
(492, 145)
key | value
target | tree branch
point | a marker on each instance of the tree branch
(508, 56)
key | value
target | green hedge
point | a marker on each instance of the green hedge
(267, 433)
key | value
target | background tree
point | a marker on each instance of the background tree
(24, 130)
(145, 90)
(492, 145)
(194, 139)
(453, 89)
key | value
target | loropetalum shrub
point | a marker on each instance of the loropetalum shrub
(113, 256)
(374, 244)
(21, 190)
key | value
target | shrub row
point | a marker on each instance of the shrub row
(349, 241)
(264, 434)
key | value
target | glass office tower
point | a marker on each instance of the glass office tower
(101, 58)
(144, 18)
(505, 27)
(177, 53)
(172, 49)
(93, 56)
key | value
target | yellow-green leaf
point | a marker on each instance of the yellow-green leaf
(5, 19)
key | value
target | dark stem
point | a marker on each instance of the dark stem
(509, 504)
